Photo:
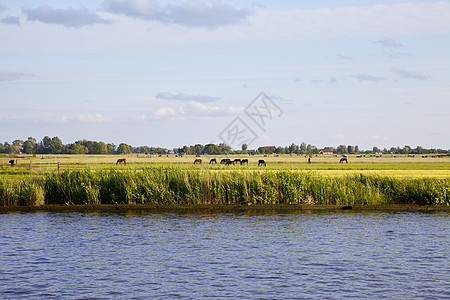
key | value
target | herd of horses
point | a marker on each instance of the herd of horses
(228, 162)
(225, 161)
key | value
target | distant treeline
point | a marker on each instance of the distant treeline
(55, 146)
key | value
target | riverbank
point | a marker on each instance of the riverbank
(124, 208)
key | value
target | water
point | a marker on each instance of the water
(270, 255)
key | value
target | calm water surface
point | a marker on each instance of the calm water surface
(252, 255)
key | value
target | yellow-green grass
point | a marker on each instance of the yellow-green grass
(387, 165)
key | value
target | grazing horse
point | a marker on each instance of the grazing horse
(236, 161)
(224, 161)
(343, 159)
(244, 161)
(12, 162)
(261, 162)
(197, 161)
(121, 161)
(213, 161)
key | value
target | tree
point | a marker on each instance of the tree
(314, 150)
(350, 149)
(44, 145)
(341, 149)
(293, 148)
(197, 149)
(279, 150)
(186, 150)
(224, 148)
(110, 147)
(406, 150)
(420, 150)
(76, 148)
(244, 148)
(56, 146)
(8, 148)
(356, 149)
(17, 143)
(211, 149)
(303, 148)
(29, 146)
(124, 149)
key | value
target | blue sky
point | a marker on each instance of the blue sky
(174, 73)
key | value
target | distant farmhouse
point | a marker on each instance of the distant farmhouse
(271, 148)
(326, 152)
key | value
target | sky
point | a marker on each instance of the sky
(265, 72)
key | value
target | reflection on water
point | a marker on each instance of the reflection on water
(289, 255)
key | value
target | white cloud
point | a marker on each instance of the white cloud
(410, 74)
(168, 112)
(67, 17)
(90, 118)
(186, 97)
(379, 137)
(187, 13)
(3, 7)
(200, 109)
(194, 110)
(62, 118)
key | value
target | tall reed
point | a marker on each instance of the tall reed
(26, 191)
(173, 185)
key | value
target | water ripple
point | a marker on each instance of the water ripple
(368, 255)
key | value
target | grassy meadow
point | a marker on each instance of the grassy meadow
(169, 180)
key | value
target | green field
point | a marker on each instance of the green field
(387, 165)
(170, 180)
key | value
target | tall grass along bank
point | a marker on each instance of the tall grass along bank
(172, 185)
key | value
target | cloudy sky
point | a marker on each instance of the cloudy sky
(174, 73)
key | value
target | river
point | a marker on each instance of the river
(223, 255)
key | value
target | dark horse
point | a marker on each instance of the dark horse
(261, 162)
(343, 159)
(121, 161)
(213, 161)
(197, 161)
(244, 161)
(225, 161)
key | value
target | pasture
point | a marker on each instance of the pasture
(386, 165)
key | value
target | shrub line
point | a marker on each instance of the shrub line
(175, 186)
